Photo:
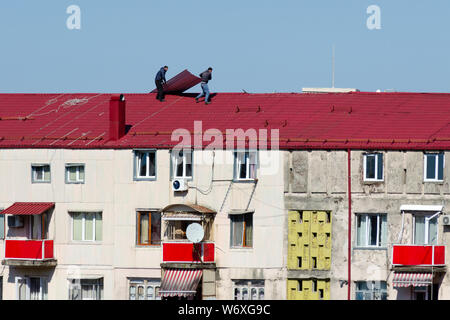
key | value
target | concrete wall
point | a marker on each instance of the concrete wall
(317, 180)
(110, 188)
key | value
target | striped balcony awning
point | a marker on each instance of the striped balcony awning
(406, 279)
(180, 282)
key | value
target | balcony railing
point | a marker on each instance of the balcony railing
(36, 250)
(188, 252)
(418, 255)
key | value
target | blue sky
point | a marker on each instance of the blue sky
(256, 45)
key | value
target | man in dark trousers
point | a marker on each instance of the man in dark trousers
(160, 79)
(205, 76)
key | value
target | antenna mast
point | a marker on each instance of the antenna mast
(332, 72)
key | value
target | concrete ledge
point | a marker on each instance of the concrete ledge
(29, 263)
(418, 268)
(169, 265)
(307, 274)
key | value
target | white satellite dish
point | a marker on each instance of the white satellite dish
(194, 232)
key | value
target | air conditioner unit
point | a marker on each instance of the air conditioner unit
(15, 221)
(446, 220)
(179, 185)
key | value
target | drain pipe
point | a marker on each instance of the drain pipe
(349, 281)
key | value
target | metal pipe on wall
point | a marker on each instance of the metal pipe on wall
(349, 178)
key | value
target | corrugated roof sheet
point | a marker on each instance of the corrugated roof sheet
(359, 120)
(28, 208)
(180, 83)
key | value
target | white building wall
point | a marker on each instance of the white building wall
(110, 188)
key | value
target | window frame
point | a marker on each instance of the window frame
(136, 176)
(67, 174)
(4, 220)
(436, 170)
(367, 231)
(138, 228)
(258, 284)
(376, 179)
(146, 283)
(372, 290)
(244, 228)
(237, 165)
(83, 230)
(98, 287)
(173, 165)
(43, 287)
(427, 228)
(41, 165)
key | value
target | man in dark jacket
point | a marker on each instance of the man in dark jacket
(205, 76)
(160, 79)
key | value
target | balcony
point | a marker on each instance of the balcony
(188, 252)
(29, 253)
(418, 255)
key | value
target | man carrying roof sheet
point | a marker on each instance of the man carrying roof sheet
(160, 79)
(205, 76)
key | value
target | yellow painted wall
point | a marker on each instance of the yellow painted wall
(311, 289)
(309, 238)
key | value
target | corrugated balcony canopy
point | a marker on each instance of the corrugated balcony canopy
(406, 279)
(28, 208)
(193, 208)
(180, 282)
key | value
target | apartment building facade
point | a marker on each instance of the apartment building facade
(90, 210)
(110, 229)
(399, 236)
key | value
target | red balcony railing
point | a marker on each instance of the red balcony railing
(29, 249)
(418, 255)
(188, 252)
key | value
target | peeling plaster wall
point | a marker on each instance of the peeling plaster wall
(317, 180)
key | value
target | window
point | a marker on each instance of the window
(371, 290)
(434, 166)
(39, 225)
(241, 230)
(87, 226)
(425, 229)
(86, 289)
(149, 228)
(31, 288)
(144, 289)
(181, 163)
(371, 230)
(373, 167)
(40, 173)
(245, 165)
(145, 164)
(176, 229)
(2, 225)
(74, 173)
(248, 289)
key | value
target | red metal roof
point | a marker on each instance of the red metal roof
(358, 120)
(180, 83)
(28, 208)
